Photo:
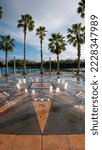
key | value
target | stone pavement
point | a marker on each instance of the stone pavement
(34, 142)
(30, 124)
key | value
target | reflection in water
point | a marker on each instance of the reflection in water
(78, 80)
(42, 80)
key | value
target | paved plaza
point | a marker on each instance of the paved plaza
(42, 112)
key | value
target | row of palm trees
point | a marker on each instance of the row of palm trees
(57, 44)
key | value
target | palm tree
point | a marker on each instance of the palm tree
(26, 23)
(1, 12)
(57, 45)
(81, 8)
(6, 44)
(76, 37)
(41, 31)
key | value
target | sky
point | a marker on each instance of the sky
(55, 15)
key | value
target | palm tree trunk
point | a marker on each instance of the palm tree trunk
(58, 71)
(78, 60)
(41, 58)
(6, 61)
(24, 52)
(14, 66)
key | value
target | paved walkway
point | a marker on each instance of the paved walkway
(49, 142)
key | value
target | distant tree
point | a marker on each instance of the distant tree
(19, 63)
(1, 12)
(57, 45)
(76, 37)
(81, 8)
(26, 23)
(6, 44)
(1, 63)
(41, 31)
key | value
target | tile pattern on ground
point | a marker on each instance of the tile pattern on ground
(64, 118)
(28, 142)
(64, 142)
(20, 119)
(42, 111)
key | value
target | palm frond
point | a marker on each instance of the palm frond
(56, 43)
(76, 34)
(81, 8)
(6, 43)
(41, 31)
(1, 12)
(26, 22)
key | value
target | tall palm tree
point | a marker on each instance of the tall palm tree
(41, 32)
(81, 8)
(57, 45)
(76, 37)
(26, 23)
(6, 44)
(1, 12)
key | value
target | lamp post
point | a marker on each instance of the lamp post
(49, 65)
(14, 65)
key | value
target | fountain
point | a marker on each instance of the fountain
(51, 89)
(20, 81)
(77, 85)
(76, 106)
(79, 106)
(35, 99)
(79, 94)
(24, 80)
(36, 79)
(66, 86)
(33, 92)
(58, 80)
(18, 86)
(57, 90)
(26, 91)
(42, 99)
(48, 99)
(5, 93)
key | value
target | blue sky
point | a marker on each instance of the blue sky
(55, 15)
